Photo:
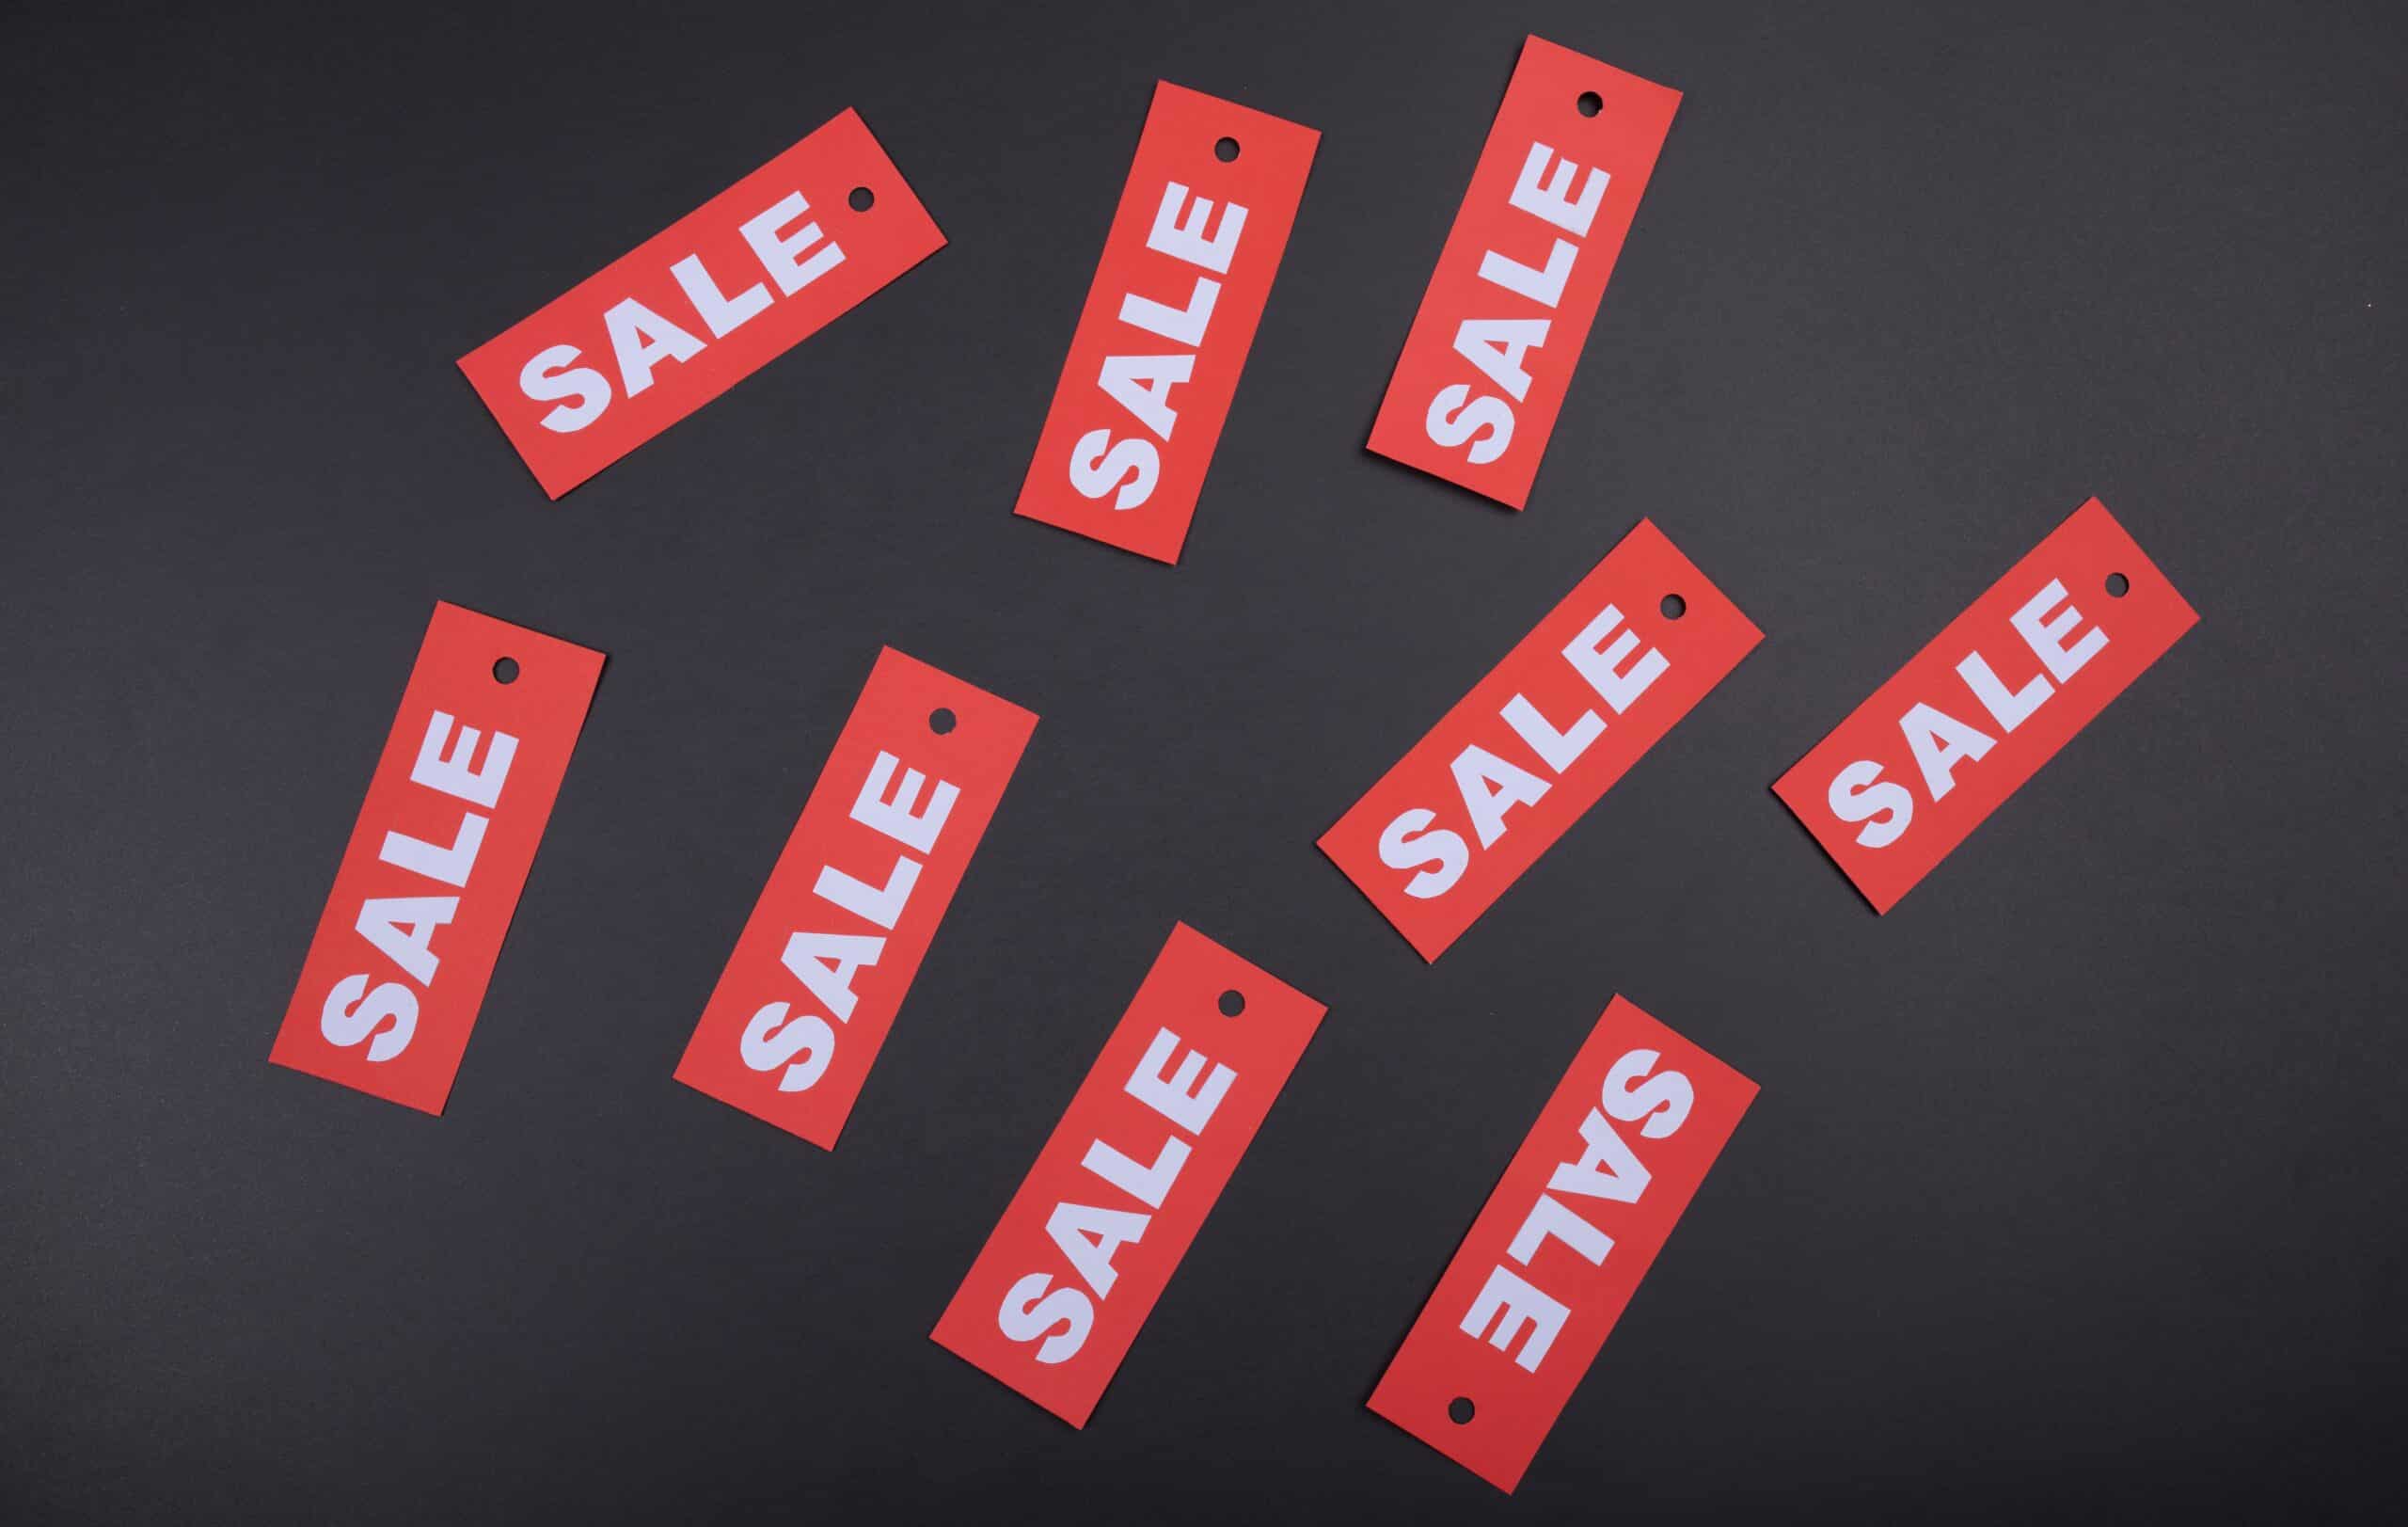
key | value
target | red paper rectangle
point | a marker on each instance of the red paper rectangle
(1119, 1191)
(1536, 742)
(1491, 351)
(1560, 1247)
(639, 345)
(428, 885)
(1933, 753)
(854, 900)
(1185, 272)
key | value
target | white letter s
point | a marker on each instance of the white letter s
(1455, 418)
(1029, 1312)
(769, 1041)
(353, 1012)
(544, 378)
(1130, 466)
(1406, 844)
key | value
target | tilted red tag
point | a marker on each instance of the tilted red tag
(1491, 351)
(1562, 1244)
(702, 305)
(426, 890)
(1535, 744)
(830, 948)
(1185, 273)
(1140, 1156)
(1993, 697)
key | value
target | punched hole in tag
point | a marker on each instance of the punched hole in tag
(862, 199)
(1226, 151)
(1459, 1411)
(505, 669)
(1590, 102)
(1673, 607)
(1232, 1003)
(2117, 585)
(940, 721)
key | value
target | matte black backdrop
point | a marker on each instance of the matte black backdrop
(2076, 1179)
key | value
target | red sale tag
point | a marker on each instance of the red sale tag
(1562, 1244)
(426, 890)
(1536, 742)
(1141, 1155)
(830, 948)
(1186, 270)
(703, 303)
(1491, 351)
(1993, 697)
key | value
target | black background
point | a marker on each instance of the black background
(2075, 1181)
